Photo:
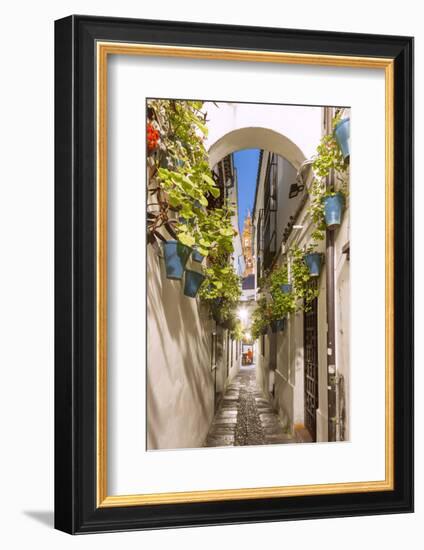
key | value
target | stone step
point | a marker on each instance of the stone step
(268, 418)
(277, 439)
(229, 403)
(261, 401)
(265, 410)
(227, 420)
(227, 413)
(222, 429)
(220, 441)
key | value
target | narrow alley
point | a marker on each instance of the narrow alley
(248, 305)
(244, 417)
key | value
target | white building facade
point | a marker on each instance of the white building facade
(292, 365)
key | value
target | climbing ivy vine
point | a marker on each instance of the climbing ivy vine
(261, 318)
(184, 199)
(329, 158)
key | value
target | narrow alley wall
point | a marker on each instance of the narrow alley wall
(180, 380)
(343, 323)
(288, 395)
(228, 360)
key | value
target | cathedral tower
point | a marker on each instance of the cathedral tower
(246, 241)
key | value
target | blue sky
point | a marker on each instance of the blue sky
(246, 163)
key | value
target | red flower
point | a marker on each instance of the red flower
(152, 137)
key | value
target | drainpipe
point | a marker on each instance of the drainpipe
(331, 307)
(214, 365)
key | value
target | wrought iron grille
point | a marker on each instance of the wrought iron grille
(310, 324)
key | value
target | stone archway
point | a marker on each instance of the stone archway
(292, 132)
(256, 138)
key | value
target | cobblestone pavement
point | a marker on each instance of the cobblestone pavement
(244, 417)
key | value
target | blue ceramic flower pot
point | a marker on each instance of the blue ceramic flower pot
(176, 255)
(333, 208)
(313, 261)
(277, 325)
(192, 283)
(342, 136)
(286, 288)
(197, 257)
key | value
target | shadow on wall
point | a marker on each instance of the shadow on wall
(288, 399)
(179, 378)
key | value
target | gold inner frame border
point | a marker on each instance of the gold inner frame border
(103, 50)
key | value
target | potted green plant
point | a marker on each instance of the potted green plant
(304, 291)
(277, 325)
(313, 261)
(192, 282)
(197, 257)
(261, 318)
(333, 208)
(342, 135)
(327, 202)
(180, 185)
(283, 302)
(222, 289)
(175, 255)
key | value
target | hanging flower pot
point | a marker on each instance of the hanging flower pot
(277, 325)
(192, 283)
(313, 261)
(216, 310)
(342, 136)
(333, 208)
(286, 288)
(176, 255)
(197, 257)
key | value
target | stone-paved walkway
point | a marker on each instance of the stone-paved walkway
(244, 417)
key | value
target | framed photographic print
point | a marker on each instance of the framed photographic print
(234, 274)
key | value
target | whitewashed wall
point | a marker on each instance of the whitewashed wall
(289, 381)
(343, 293)
(180, 380)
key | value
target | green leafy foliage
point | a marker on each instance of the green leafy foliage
(182, 180)
(237, 332)
(222, 288)
(304, 292)
(185, 196)
(329, 159)
(282, 303)
(261, 318)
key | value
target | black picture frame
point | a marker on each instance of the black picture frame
(76, 509)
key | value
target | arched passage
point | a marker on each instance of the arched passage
(256, 138)
(279, 156)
